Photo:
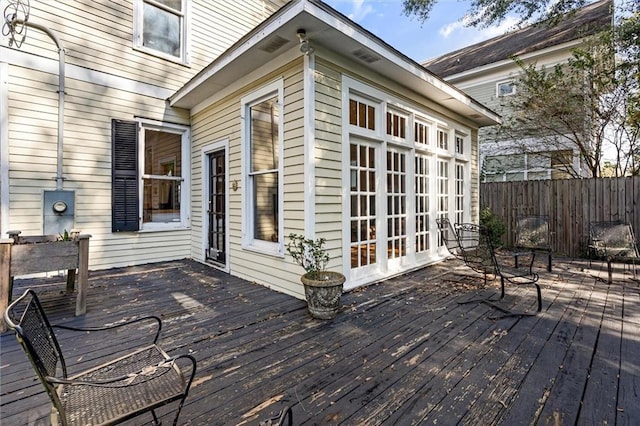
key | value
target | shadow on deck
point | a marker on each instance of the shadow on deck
(402, 351)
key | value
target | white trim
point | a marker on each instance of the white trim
(4, 149)
(246, 80)
(184, 20)
(235, 52)
(248, 242)
(185, 190)
(74, 72)
(309, 97)
(204, 152)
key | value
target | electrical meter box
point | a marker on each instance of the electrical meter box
(59, 211)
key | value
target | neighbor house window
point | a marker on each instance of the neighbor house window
(160, 27)
(262, 136)
(149, 185)
(506, 88)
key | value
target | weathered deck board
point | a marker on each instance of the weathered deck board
(403, 351)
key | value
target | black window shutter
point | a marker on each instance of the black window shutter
(124, 190)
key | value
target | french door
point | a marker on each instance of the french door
(217, 209)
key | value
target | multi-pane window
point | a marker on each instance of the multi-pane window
(160, 27)
(396, 125)
(421, 174)
(459, 144)
(443, 139)
(162, 178)
(362, 114)
(421, 133)
(396, 204)
(442, 179)
(362, 170)
(148, 191)
(459, 185)
(263, 174)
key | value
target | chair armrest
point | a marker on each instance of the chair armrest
(153, 318)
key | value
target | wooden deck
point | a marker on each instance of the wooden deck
(403, 351)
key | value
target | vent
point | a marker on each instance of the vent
(274, 43)
(365, 55)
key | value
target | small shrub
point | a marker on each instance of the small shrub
(494, 225)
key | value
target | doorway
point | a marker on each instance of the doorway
(216, 248)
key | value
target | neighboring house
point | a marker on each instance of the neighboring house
(306, 124)
(487, 72)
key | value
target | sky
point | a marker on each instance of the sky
(444, 31)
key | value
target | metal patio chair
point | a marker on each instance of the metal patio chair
(613, 240)
(483, 256)
(132, 384)
(449, 236)
(533, 234)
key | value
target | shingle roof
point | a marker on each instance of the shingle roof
(586, 21)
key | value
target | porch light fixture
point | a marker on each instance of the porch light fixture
(305, 46)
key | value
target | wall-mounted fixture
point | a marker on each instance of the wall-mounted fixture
(305, 46)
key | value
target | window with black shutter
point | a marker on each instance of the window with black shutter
(125, 199)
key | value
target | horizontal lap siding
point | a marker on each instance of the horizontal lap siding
(97, 36)
(95, 32)
(221, 121)
(328, 160)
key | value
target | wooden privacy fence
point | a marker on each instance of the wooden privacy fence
(571, 205)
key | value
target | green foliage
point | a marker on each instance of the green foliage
(308, 253)
(494, 225)
(64, 236)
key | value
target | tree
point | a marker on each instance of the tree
(590, 103)
(484, 13)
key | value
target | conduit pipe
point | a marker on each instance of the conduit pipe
(61, 76)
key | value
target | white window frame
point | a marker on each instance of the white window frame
(248, 240)
(185, 189)
(185, 25)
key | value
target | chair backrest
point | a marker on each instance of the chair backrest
(616, 238)
(26, 317)
(448, 236)
(476, 248)
(532, 232)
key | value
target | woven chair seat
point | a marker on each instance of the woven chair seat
(143, 388)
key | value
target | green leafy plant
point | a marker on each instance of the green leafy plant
(494, 225)
(308, 253)
(64, 236)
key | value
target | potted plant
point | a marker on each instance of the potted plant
(322, 288)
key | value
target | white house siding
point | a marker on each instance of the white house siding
(221, 122)
(328, 158)
(106, 78)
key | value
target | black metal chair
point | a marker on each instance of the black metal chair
(132, 384)
(533, 234)
(613, 240)
(482, 256)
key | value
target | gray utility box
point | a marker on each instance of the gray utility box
(59, 211)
